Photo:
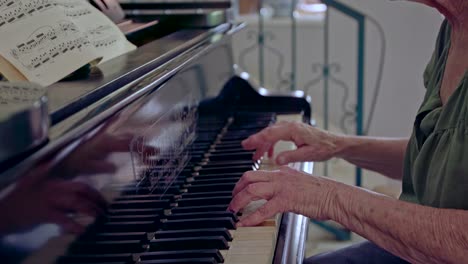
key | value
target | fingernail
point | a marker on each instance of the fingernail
(239, 224)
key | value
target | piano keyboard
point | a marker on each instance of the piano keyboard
(189, 222)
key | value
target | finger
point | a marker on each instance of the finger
(253, 192)
(249, 178)
(64, 221)
(286, 157)
(260, 151)
(266, 211)
(271, 152)
(268, 136)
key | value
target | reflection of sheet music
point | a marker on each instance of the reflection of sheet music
(48, 39)
(15, 97)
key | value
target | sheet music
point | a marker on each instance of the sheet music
(46, 40)
(101, 31)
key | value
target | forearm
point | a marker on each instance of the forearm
(416, 233)
(382, 155)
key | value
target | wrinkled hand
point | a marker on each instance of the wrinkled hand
(286, 190)
(39, 199)
(312, 144)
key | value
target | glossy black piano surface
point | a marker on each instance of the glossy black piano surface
(164, 150)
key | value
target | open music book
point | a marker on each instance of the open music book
(43, 41)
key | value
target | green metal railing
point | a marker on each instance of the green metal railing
(326, 67)
(360, 19)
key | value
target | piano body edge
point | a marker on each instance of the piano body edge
(293, 230)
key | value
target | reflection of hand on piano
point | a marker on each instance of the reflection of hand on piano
(38, 199)
(313, 144)
(95, 154)
(286, 190)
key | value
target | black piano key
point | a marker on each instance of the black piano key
(230, 156)
(198, 181)
(230, 151)
(107, 247)
(226, 169)
(203, 215)
(218, 175)
(132, 218)
(211, 187)
(220, 144)
(243, 131)
(139, 204)
(199, 145)
(183, 261)
(258, 125)
(132, 190)
(187, 243)
(105, 262)
(206, 137)
(98, 258)
(142, 236)
(224, 232)
(234, 137)
(122, 227)
(206, 194)
(184, 254)
(228, 147)
(223, 164)
(148, 211)
(197, 209)
(217, 222)
(204, 201)
(146, 197)
(171, 190)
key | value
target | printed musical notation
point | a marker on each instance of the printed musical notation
(13, 10)
(49, 39)
(47, 43)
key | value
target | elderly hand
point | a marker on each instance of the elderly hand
(312, 144)
(286, 190)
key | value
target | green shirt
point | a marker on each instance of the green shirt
(436, 162)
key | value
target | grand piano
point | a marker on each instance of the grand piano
(157, 133)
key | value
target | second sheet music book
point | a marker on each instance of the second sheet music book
(43, 41)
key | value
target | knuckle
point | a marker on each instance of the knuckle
(251, 189)
(296, 126)
(248, 176)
